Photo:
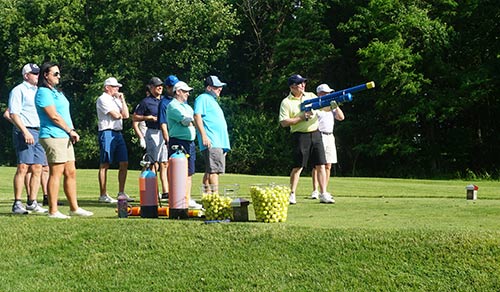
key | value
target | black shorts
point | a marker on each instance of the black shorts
(308, 148)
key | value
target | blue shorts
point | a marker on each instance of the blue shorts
(28, 153)
(189, 146)
(113, 147)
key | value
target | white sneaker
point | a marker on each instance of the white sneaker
(193, 205)
(35, 207)
(326, 198)
(129, 199)
(80, 212)
(315, 195)
(18, 208)
(292, 200)
(106, 199)
(58, 215)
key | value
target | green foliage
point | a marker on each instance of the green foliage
(436, 65)
(259, 144)
(131, 40)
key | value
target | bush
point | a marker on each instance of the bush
(258, 144)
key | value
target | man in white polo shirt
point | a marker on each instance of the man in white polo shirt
(111, 110)
(326, 122)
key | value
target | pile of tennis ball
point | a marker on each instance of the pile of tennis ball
(217, 207)
(270, 202)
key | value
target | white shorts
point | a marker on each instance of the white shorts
(155, 145)
(330, 149)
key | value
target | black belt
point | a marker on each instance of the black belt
(327, 133)
(33, 128)
(116, 131)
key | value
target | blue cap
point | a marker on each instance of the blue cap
(296, 79)
(214, 81)
(171, 80)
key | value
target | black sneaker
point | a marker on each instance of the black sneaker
(46, 201)
(164, 197)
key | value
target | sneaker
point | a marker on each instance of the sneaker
(80, 212)
(35, 207)
(193, 205)
(315, 195)
(293, 201)
(129, 199)
(18, 208)
(326, 198)
(164, 197)
(58, 215)
(106, 199)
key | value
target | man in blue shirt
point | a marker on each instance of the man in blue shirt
(147, 111)
(170, 81)
(213, 137)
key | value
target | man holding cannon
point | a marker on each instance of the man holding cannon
(306, 139)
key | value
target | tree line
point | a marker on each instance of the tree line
(436, 65)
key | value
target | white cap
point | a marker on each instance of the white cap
(324, 88)
(182, 86)
(111, 81)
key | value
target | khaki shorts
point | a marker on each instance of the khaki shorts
(58, 150)
(155, 145)
(330, 149)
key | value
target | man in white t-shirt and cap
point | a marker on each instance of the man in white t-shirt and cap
(112, 109)
(326, 122)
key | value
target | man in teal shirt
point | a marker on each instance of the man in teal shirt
(213, 137)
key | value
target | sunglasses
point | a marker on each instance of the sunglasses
(56, 74)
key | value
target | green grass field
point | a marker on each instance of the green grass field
(381, 235)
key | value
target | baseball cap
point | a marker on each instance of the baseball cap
(111, 81)
(324, 88)
(155, 81)
(182, 86)
(171, 80)
(214, 81)
(296, 79)
(31, 68)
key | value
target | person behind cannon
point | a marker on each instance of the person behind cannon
(326, 122)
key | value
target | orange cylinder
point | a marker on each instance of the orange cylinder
(162, 211)
(135, 211)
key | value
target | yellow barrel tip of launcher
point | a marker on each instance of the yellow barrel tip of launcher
(370, 85)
